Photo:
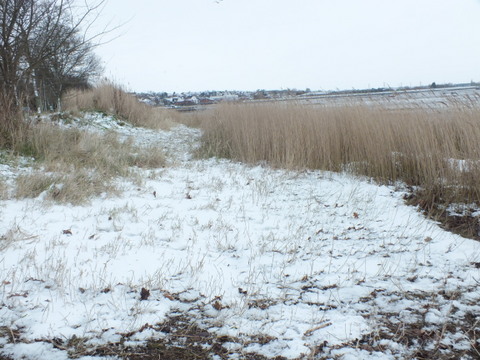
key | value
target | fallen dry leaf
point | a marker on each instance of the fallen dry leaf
(321, 326)
(217, 305)
(144, 294)
(168, 296)
(243, 292)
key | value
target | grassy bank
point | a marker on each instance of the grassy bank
(72, 165)
(114, 100)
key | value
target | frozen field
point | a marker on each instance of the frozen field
(274, 263)
(435, 98)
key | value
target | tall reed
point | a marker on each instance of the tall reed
(437, 150)
(113, 99)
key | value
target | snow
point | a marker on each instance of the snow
(303, 257)
(434, 99)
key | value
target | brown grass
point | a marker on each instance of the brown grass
(75, 165)
(3, 189)
(114, 100)
(11, 121)
(73, 187)
(413, 146)
(59, 148)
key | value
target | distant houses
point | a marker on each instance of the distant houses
(190, 100)
(193, 101)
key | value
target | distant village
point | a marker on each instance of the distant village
(192, 100)
(195, 100)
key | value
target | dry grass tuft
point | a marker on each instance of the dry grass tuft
(59, 149)
(73, 188)
(3, 189)
(184, 340)
(11, 121)
(438, 150)
(76, 165)
(195, 119)
(3, 184)
(114, 100)
(32, 185)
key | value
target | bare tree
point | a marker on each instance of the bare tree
(73, 64)
(36, 35)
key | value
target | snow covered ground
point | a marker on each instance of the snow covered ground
(283, 263)
(433, 99)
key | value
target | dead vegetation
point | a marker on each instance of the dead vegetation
(72, 165)
(3, 189)
(112, 99)
(433, 151)
(182, 339)
(456, 338)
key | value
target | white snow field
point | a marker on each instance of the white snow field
(282, 263)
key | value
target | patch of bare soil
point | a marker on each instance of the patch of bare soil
(182, 339)
(425, 341)
(466, 225)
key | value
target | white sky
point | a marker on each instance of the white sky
(193, 45)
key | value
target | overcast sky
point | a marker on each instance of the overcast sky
(193, 45)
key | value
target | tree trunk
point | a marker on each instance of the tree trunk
(36, 93)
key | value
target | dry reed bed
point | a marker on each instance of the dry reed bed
(435, 150)
(114, 100)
